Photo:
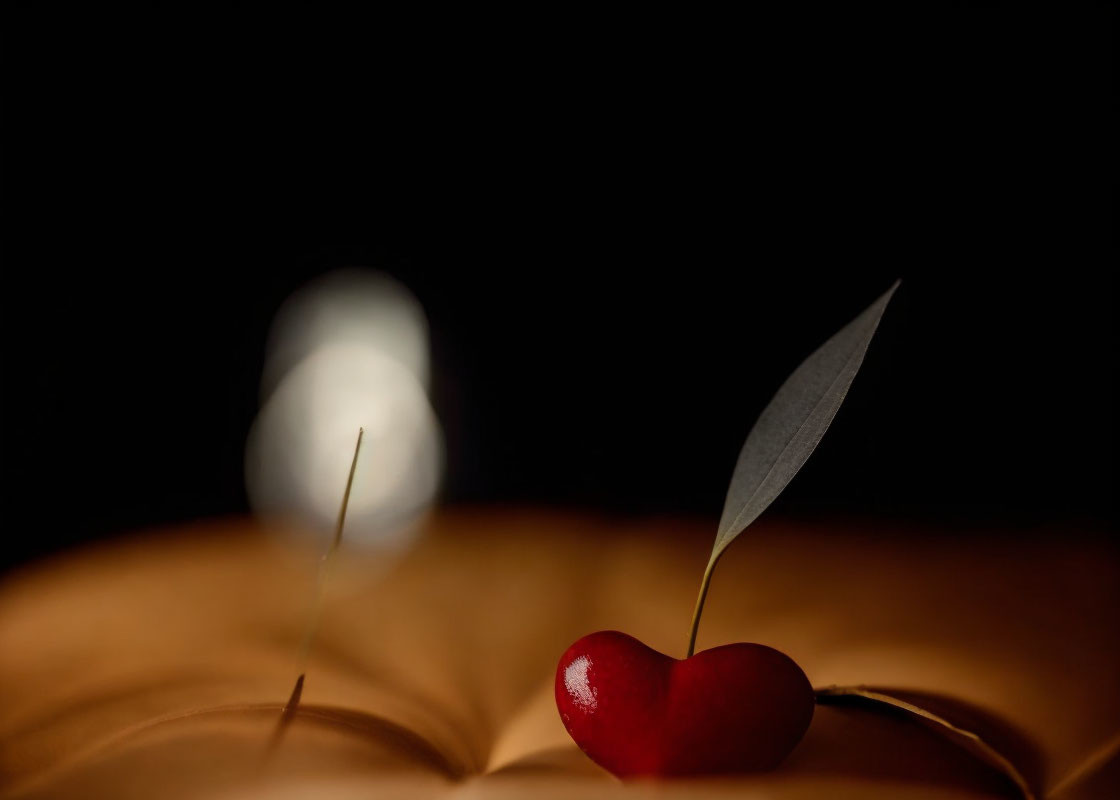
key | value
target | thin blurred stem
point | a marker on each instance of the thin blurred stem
(325, 564)
(289, 711)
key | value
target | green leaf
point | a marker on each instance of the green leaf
(791, 426)
(787, 431)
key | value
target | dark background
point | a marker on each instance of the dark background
(624, 243)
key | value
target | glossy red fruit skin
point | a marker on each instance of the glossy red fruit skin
(635, 711)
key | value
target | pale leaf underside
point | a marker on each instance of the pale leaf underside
(791, 426)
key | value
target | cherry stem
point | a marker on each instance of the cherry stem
(704, 584)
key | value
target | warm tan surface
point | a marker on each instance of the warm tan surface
(161, 663)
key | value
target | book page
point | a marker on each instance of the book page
(167, 658)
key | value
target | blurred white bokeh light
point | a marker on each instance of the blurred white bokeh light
(352, 306)
(348, 351)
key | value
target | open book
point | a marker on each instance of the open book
(158, 666)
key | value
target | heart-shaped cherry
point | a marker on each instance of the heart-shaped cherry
(635, 711)
(740, 707)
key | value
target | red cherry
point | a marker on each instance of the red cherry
(635, 711)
